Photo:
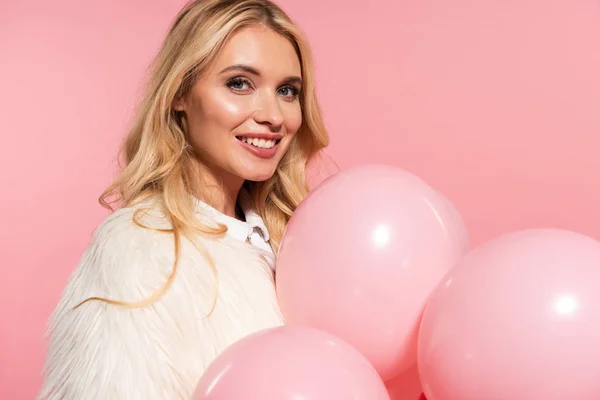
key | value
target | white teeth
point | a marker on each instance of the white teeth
(261, 143)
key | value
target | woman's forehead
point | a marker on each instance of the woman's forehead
(260, 48)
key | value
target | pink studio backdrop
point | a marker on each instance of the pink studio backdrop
(495, 103)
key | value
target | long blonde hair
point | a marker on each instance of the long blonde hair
(158, 159)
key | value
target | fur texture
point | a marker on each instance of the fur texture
(101, 351)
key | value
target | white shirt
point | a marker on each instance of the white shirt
(252, 230)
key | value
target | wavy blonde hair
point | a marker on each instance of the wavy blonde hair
(159, 161)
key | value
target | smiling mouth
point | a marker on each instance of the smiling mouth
(259, 143)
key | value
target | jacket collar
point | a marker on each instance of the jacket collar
(236, 227)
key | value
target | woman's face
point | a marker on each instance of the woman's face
(244, 110)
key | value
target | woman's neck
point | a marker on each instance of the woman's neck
(219, 189)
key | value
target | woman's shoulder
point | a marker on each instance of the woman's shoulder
(131, 254)
(140, 219)
(130, 228)
(130, 258)
(165, 345)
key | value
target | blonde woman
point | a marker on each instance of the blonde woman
(214, 167)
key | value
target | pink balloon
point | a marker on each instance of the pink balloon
(290, 363)
(360, 256)
(462, 234)
(518, 318)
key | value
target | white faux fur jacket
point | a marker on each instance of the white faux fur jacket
(101, 351)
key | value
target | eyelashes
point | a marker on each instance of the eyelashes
(237, 84)
(294, 92)
(243, 85)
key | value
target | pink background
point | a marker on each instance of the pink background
(495, 103)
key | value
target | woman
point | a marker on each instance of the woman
(215, 166)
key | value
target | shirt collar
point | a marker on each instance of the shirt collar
(236, 227)
(252, 217)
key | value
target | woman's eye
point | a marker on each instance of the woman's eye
(289, 92)
(238, 84)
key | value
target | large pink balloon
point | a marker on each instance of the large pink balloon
(290, 363)
(518, 318)
(360, 256)
(457, 221)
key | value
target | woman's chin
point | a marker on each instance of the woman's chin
(258, 175)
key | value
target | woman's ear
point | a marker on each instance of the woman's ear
(179, 104)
